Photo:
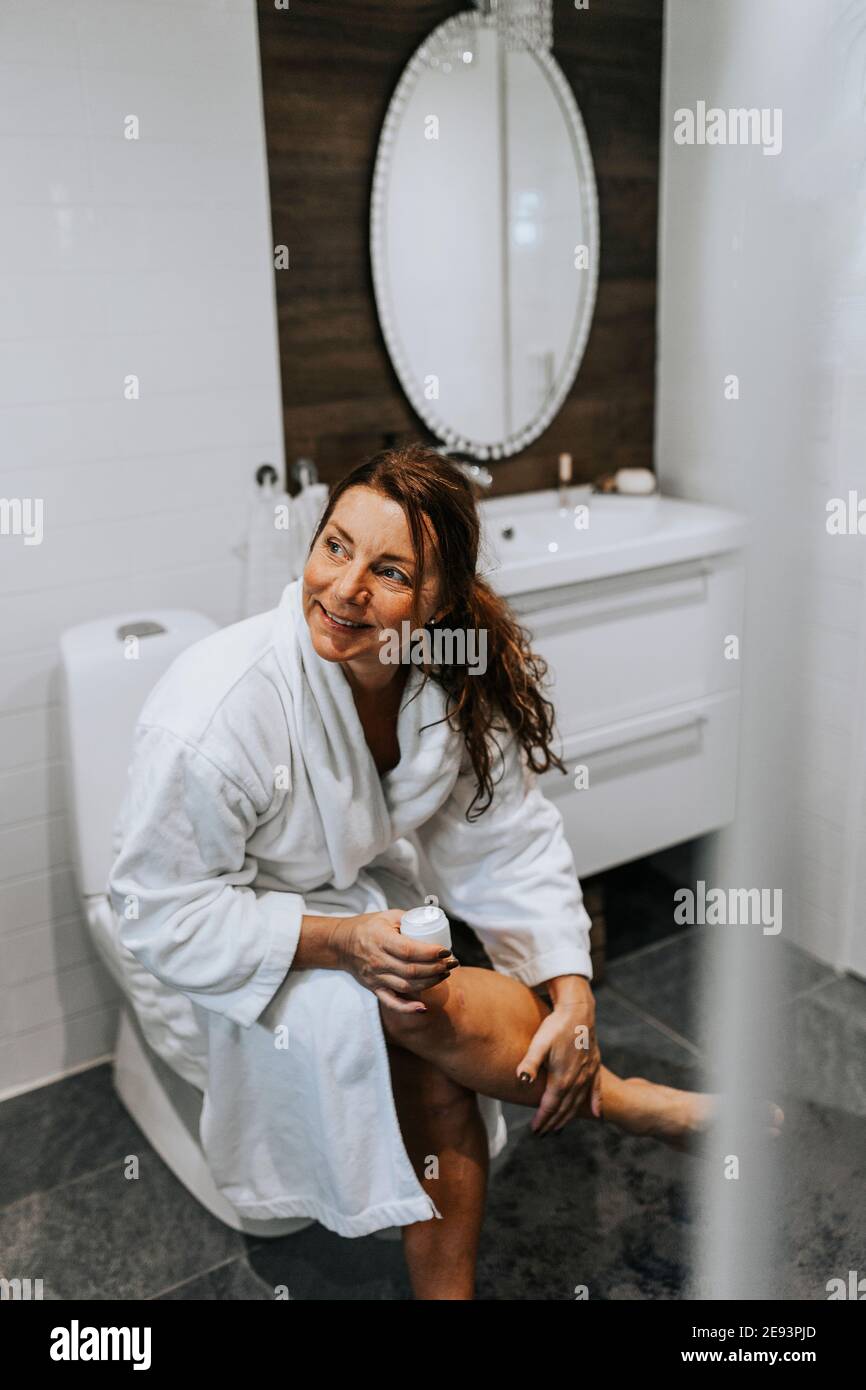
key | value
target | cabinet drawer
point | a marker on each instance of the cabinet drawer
(654, 781)
(621, 646)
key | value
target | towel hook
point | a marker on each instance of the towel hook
(262, 474)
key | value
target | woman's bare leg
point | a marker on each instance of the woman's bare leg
(443, 1130)
(477, 1027)
(474, 1034)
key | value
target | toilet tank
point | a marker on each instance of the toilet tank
(103, 690)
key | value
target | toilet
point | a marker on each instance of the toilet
(109, 667)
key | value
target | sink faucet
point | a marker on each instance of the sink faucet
(475, 472)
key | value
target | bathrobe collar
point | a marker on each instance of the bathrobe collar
(367, 809)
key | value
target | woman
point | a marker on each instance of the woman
(292, 791)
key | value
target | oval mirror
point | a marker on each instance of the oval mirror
(484, 237)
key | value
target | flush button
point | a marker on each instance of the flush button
(144, 629)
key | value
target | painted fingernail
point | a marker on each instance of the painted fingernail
(525, 1077)
(443, 955)
(419, 1009)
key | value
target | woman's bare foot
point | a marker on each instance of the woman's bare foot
(679, 1119)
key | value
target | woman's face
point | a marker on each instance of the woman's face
(361, 568)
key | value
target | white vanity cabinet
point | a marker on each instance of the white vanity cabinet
(647, 702)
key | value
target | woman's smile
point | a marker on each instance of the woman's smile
(337, 622)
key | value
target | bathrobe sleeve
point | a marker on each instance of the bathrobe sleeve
(510, 874)
(180, 884)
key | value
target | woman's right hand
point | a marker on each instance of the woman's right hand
(394, 967)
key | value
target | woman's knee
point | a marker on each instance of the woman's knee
(442, 1018)
(468, 1008)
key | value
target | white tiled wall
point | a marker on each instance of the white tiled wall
(150, 257)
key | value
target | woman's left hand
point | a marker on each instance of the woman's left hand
(566, 1043)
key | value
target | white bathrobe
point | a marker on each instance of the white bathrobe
(253, 798)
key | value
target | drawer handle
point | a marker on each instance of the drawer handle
(680, 588)
(611, 739)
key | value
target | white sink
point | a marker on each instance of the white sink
(529, 542)
(586, 524)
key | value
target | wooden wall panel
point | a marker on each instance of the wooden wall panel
(329, 68)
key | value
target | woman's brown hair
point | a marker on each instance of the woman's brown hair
(424, 483)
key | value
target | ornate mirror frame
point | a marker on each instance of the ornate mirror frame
(439, 39)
